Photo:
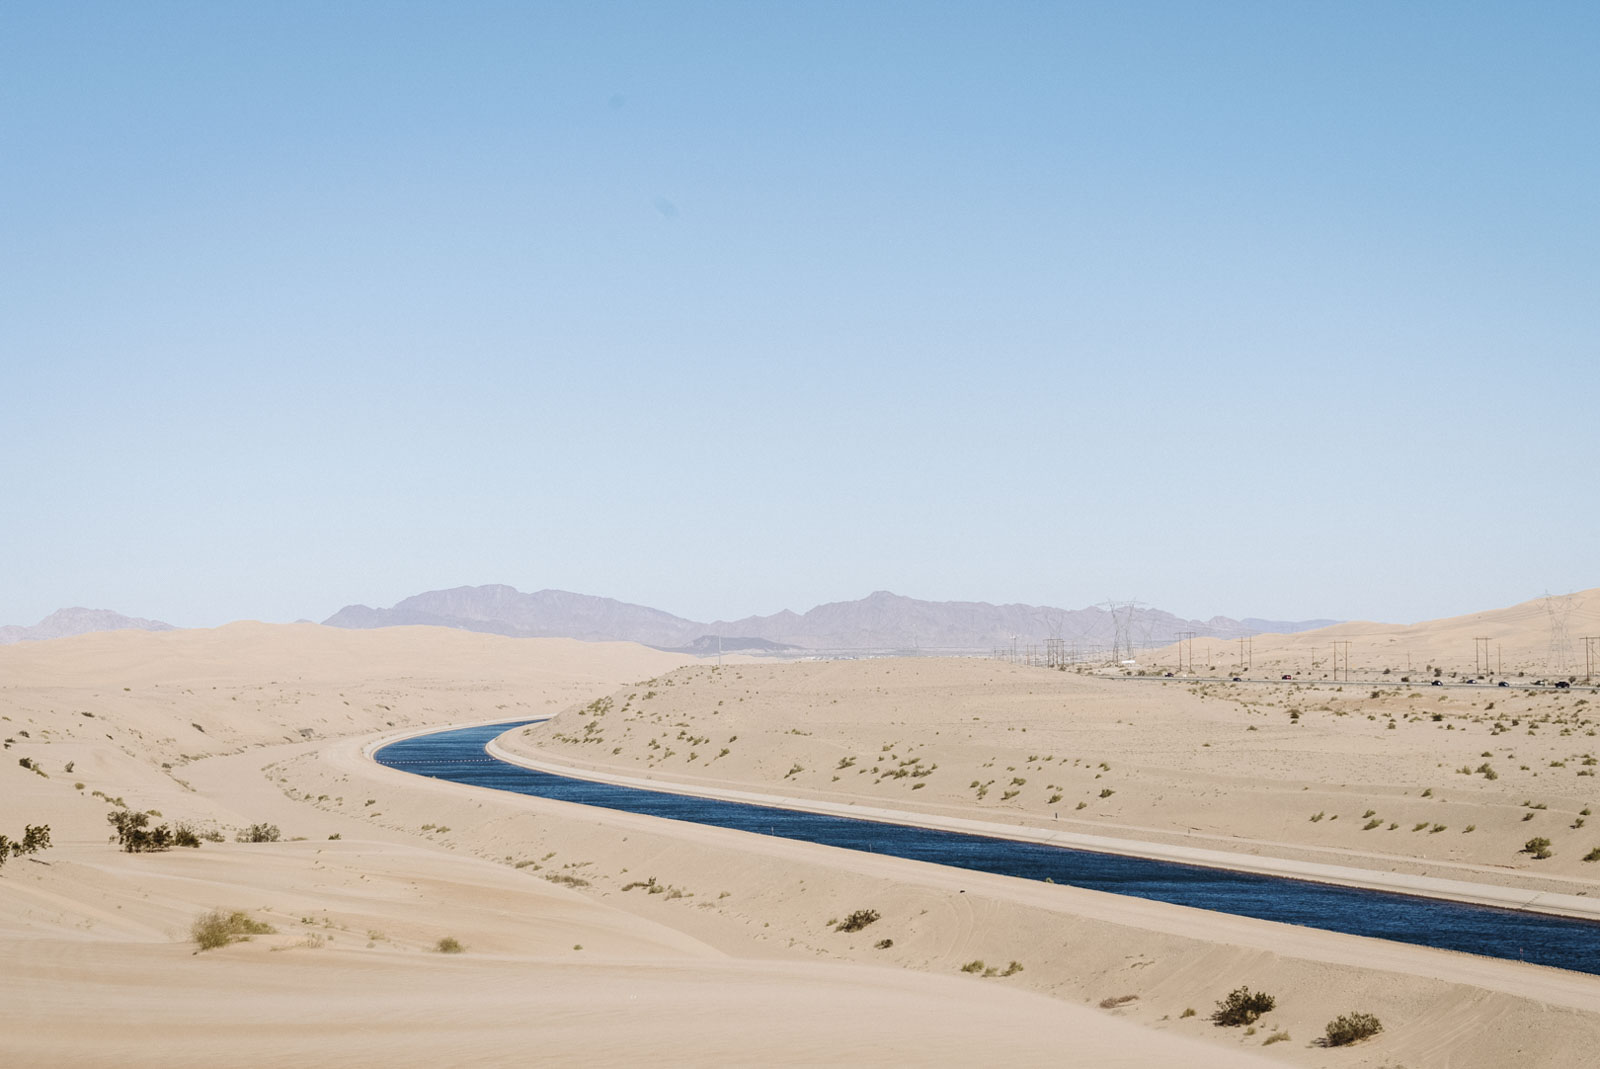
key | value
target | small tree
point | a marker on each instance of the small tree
(1241, 1007)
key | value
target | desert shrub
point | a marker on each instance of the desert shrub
(1242, 1006)
(449, 945)
(1188, 1012)
(857, 920)
(1349, 1027)
(1118, 1000)
(218, 928)
(259, 833)
(566, 880)
(884, 944)
(973, 966)
(34, 838)
(133, 834)
(1538, 846)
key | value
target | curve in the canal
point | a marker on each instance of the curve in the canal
(459, 756)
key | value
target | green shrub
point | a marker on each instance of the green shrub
(973, 966)
(219, 928)
(258, 833)
(1242, 1006)
(449, 945)
(34, 838)
(1351, 1027)
(1538, 846)
(857, 920)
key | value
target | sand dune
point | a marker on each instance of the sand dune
(736, 962)
(1540, 638)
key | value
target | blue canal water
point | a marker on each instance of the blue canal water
(459, 756)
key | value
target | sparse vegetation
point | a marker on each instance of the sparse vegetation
(1242, 1007)
(218, 928)
(135, 836)
(259, 833)
(1351, 1027)
(857, 920)
(449, 945)
(34, 838)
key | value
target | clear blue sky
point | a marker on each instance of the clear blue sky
(1269, 309)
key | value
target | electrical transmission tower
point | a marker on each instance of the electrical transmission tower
(1591, 656)
(1480, 656)
(1121, 613)
(1560, 610)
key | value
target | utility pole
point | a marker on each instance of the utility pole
(1590, 656)
(1336, 653)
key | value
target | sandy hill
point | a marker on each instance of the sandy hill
(1543, 637)
(255, 724)
(738, 960)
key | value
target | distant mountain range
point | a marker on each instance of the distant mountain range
(64, 623)
(880, 621)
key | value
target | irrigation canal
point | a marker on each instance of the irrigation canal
(459, 756)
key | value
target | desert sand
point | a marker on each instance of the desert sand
(737, 961)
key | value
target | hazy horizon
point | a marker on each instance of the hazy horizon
(1236, 309)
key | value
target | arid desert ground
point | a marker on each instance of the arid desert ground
(568, 955)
